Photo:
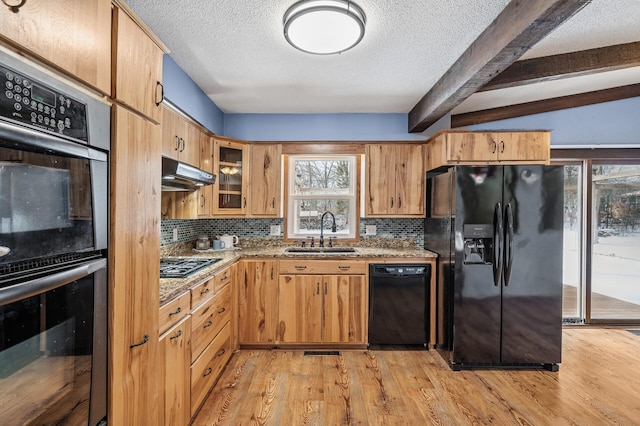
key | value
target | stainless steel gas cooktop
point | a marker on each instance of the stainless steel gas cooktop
(180, 267)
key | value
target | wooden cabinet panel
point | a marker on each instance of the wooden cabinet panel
(410, 176)
(381, 179)
(258, 301)
(172, 127)
(471, 147)
(73, 35)
(205, 194)
(523, 146)
(394, 180)
(137, 67)
(208, 366)
(223, 278)
(334, 266)
(175, 370)
(344, 318)
(174, 310)
(265, 177)
(134, 269)
(202, 291)
(300, 309)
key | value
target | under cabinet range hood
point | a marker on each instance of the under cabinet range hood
(177, 176)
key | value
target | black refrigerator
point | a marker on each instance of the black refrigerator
(498, 233)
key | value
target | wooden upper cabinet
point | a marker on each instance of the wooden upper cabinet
(205, 194)
(137, 65)
(230, 166)
(395, 180)
(265, 177)
(450, 148)
(72, 35)
(180, 139)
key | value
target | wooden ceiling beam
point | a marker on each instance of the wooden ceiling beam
(517, 28)
(545, 105)
(565, 65)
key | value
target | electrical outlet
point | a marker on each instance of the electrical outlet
(275, 230)
(370, 230)
(175, 234)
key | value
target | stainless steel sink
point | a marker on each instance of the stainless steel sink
(320, 250)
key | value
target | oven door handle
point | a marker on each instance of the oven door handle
(42, 285)
(30, 137)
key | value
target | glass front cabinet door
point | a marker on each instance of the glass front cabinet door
(231, 158)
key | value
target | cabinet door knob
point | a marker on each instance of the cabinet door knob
(273, 203)
(209, 371)
(176, 312)
(221, 352)
(391, 202)
(221, 310)
(300, 267)
(344, 267)
(502, 147)
(495, 147)
(177, 143)
(208, 324)
(176, 336)
(205, 291)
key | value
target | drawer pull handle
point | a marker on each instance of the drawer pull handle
(222, 310)
(145, 340)
(344, 268)
(209, 371)
(176, 312)
(176, 336)
(226, 277)
(205, 291)
(221, 352)
(301, 267)
(208, 324)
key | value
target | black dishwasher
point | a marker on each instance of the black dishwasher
(399, 304)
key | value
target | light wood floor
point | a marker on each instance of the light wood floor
(598, 384)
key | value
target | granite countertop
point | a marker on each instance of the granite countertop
(171, 287)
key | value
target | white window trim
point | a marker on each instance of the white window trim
(352, 196)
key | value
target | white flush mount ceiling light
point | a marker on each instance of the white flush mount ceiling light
(324, 27)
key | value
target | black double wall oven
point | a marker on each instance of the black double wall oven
(54, 145)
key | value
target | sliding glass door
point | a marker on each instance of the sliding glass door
(615, 242)
(572, 275)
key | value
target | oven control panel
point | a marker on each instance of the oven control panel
(34, 104)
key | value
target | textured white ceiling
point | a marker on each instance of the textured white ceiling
(236, 52)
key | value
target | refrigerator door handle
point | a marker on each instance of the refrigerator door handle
(509, 244)
(498, 238)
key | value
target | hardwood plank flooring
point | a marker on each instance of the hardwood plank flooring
(598, 384)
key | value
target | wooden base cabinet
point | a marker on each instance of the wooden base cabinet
(207, 368)
(322, 309)
(257, 301)
(175, 347)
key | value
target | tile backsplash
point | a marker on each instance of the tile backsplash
(189, 230)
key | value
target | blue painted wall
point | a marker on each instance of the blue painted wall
(318, 127)
(182, 92)
(608, 123)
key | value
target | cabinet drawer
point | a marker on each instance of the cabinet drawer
(208, 366)
(333, 266)
(208, 319)
(202, 291)
(223, 278)
(173, 311)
